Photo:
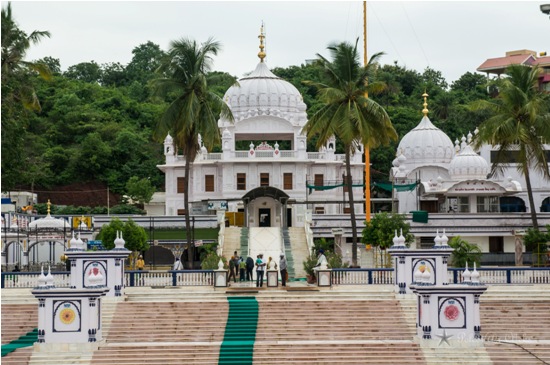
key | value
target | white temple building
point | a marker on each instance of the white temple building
(455, 189)
(263, 184)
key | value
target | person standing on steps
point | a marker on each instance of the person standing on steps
(260, 267)
(282, 267)
(232, 269)
(249, 268)
(242, 269)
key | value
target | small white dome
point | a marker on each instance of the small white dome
(426, 144)
(468, 165)
(264, 93)
(168, 139)
(48, 222)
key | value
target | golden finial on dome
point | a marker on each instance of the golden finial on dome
(261, 54)
(425, 110)
(49, 204)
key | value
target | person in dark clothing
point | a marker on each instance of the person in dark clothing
(249, 268)
(232, 269)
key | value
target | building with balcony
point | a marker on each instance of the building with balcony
(264, 176)
(497, 66)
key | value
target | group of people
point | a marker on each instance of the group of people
(245, 268)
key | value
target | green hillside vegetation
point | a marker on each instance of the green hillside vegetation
(96, 121)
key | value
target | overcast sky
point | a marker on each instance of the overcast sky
(451, 37)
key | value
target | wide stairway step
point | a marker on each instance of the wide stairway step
(515, 319)
(17, 320)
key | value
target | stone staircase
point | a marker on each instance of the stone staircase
(300, 253)
(231, 241)
(331, 320)
(524, 353)
(17, 320)
(515, 320)
(18, 357)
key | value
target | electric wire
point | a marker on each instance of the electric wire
(415, 35)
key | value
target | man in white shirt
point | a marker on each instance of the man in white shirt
(177, 265)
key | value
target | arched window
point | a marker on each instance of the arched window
(510, 204)
(545, 206)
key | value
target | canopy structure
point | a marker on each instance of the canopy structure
(266, 191)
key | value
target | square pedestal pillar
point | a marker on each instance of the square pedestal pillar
(220, 278)
(272, 278)
(323, 277)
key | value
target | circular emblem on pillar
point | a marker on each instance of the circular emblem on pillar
(451, 312)
(67, 316)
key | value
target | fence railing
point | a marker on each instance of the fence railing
(169, 278)
(361, 276)
(510, 275)
(62, 279)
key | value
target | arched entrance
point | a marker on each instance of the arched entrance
(265, 206)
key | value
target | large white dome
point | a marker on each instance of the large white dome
(263, 93)
(426, 145)
(468, 165)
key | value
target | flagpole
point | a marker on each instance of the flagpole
(367, 152)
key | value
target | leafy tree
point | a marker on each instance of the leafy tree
(464, 252)
(85, 71)
(211, 261)
(146, 59)
(194, 109)
(537, 243)
(113, 74)
(140, 190)
(520, 122)
(347, 112)
(15, 44)
(380, 231)
(134, 236)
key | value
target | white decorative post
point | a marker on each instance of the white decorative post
(408, 261)
(87, 265)
(68, 316)
(323, 274)
(448, 311)
(272, 275)
(220, 276)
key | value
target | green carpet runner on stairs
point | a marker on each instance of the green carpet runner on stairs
(237, 347)
(23, 341)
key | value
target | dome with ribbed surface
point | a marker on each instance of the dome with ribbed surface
(468, 165)
(426, 144)
(49, 222)
(263, 93)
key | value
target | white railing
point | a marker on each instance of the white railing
(213, 156)
(361, 276)
(241, 154)
(288, 154)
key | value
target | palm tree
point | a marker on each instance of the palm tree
(520, 122)
(347, 112)
(15, 44)
(193, 109)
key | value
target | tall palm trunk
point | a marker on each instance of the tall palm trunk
(349, 184)
(532, 207)
(190, 245)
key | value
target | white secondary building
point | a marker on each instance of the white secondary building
(455, 190)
